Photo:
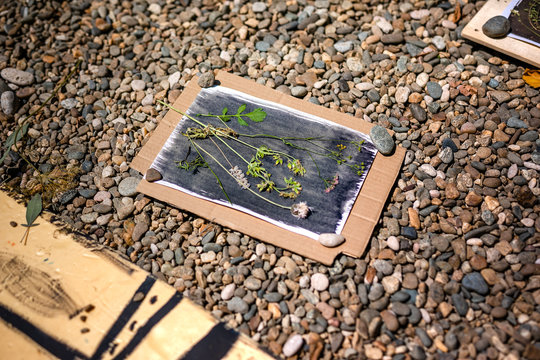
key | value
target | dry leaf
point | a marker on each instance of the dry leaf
(532, 77)
(457, 13)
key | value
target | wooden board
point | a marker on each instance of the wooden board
(63, 297)
(518, 49)
(362, 219)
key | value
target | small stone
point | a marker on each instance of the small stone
(343, 46)
(206, 80)
(382, 139)
(475, 282)
(392, 39)
(7, 102)
(292, 345)
(390, 320)
(128, 186)
(393, 243)
(17, 77)
(402, 94)
(69, 103)
(138, 85)
(259, 7)
(331, 240)
(154, 8)
(299, 91)
(418, 113)
(434, 90)
(153, 175)
(228, 291)
(496, 27)
(319, 282)
(498, 312)
(237, 305)
(446, 155)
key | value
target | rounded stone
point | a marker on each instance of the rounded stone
(153, 175)
(128, 186)
(138, 85)
(331, 240)
(496, 27)
(292, 345)
(17, 77)
(237, 305)
(228, 291)
(382, 139)
(206, 80)
(319, 282)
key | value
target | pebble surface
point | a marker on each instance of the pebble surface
(451, 270)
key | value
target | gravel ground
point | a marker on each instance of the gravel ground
(452, 271)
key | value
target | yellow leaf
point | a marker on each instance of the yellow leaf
(532, 77)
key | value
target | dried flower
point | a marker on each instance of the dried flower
(332, 184)
(239, 176)
(300, 210)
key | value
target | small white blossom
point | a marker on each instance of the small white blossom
(300, 210)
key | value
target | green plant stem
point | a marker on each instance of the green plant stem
(250, 190)
(217, 177)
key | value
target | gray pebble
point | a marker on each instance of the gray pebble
(382, 139)
(475, 282)
(17, 77)
(237, 305)
(206, 80)
(496, 27)
(418, 113)
(299, 91)
(128, 186)
(434, 90)
(7, 102)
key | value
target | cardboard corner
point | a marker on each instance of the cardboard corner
(518, 49)
(362, 219)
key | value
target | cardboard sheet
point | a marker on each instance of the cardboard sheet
(516, 48)
(67, 299)
(362, 219)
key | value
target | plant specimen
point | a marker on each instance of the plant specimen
(42, 187)
(253, 167)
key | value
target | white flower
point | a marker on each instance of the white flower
(300, 210)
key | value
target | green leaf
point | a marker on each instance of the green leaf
(10, 140)
(224, 111)
(256, 115)
(4, 157)
(242, 121)
(33, 209)
(241, 109)
(23, 131)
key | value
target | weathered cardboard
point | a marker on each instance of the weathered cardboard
(63, 298)
(364, 215)
(516, 48)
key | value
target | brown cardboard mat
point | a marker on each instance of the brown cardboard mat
(361, 221)
(67, 299)
(516, 48)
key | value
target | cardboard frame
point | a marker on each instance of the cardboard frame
(516, 48)
(362, 219)
(63, 296)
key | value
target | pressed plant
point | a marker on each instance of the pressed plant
(246, 165)
(42, 187)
